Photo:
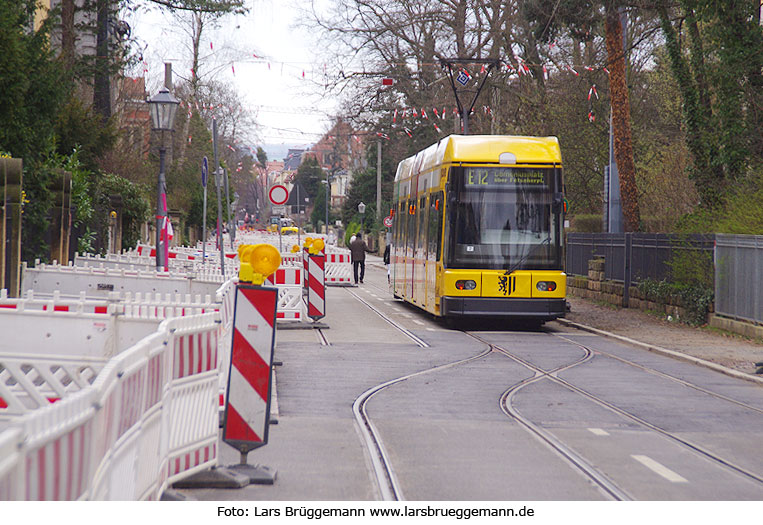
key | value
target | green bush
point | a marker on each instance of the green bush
(696, 298)
(692, 267)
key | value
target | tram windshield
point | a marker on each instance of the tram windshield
(504, 218)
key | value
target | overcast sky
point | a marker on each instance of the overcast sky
(272, 64)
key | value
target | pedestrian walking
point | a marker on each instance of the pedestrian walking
(386, 259)
(358, 251)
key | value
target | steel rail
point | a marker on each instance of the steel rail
(664, 375)
(385, 475)
(410, 335)
(584, 467)
(729, 465)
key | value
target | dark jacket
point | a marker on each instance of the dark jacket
(358, 249)
(386, 254)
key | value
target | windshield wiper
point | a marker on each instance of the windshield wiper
(512, 268)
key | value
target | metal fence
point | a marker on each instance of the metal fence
(739, 276)
(632, 256)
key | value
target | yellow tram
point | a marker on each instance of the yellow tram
(478, 228)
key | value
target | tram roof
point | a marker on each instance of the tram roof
(483, 149)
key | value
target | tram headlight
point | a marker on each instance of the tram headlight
(466, 284)
(546, 286)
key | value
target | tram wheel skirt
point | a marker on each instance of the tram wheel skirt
(541, 309)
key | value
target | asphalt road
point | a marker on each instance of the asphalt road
(652, 427)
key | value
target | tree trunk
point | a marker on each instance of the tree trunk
(101, 81)
(67, 33)
(621, 121)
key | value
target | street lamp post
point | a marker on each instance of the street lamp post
(328, 197)
(163, 107)
(362, 211)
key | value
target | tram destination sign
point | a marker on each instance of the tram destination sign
(504, 177)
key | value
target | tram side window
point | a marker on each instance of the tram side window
(411, 233)
(434, 235)
(402, 218)
(396, 229)
(421, 238)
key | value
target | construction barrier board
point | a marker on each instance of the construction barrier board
(247, 403)
(316, 289)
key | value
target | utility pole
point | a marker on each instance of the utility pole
(378, 179)
(218, 183)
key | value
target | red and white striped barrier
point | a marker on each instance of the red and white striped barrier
(41, 366)
(289, 284)
(247, 409)
(316, 287)
(99, 282)
(148, 420)
(338, 267)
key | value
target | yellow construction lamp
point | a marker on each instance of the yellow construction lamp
(245, 272)
(316, 247)
(259, 261)
(295, 248)
(308, 242)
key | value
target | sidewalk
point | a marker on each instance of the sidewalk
(725, 349)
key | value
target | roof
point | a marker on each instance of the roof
(483, 149)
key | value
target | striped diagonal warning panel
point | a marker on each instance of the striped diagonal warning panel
(316, 291)
(248, 401)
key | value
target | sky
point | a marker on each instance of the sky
(272, 64)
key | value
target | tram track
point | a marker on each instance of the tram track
(605, 484)
(386, 479)
(581, 464)
(669, 377)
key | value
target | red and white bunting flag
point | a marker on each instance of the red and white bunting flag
(382, 135)
(404, 112)
(593, 91)
(569, 68)
(394, 117)
(408, 132)
(211, 46)
(435, 127)
(606, 70)
(591, 116)
(434, 110)
(424, 114)
(233, 69)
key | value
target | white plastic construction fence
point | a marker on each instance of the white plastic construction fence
(149, 418)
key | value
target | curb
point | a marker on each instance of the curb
(664, 351)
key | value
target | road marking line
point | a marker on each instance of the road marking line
(431, 329)
(598, 431)
(660, 469)
(418, 322)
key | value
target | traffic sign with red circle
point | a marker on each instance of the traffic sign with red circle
(388, 222)
(278, 194)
